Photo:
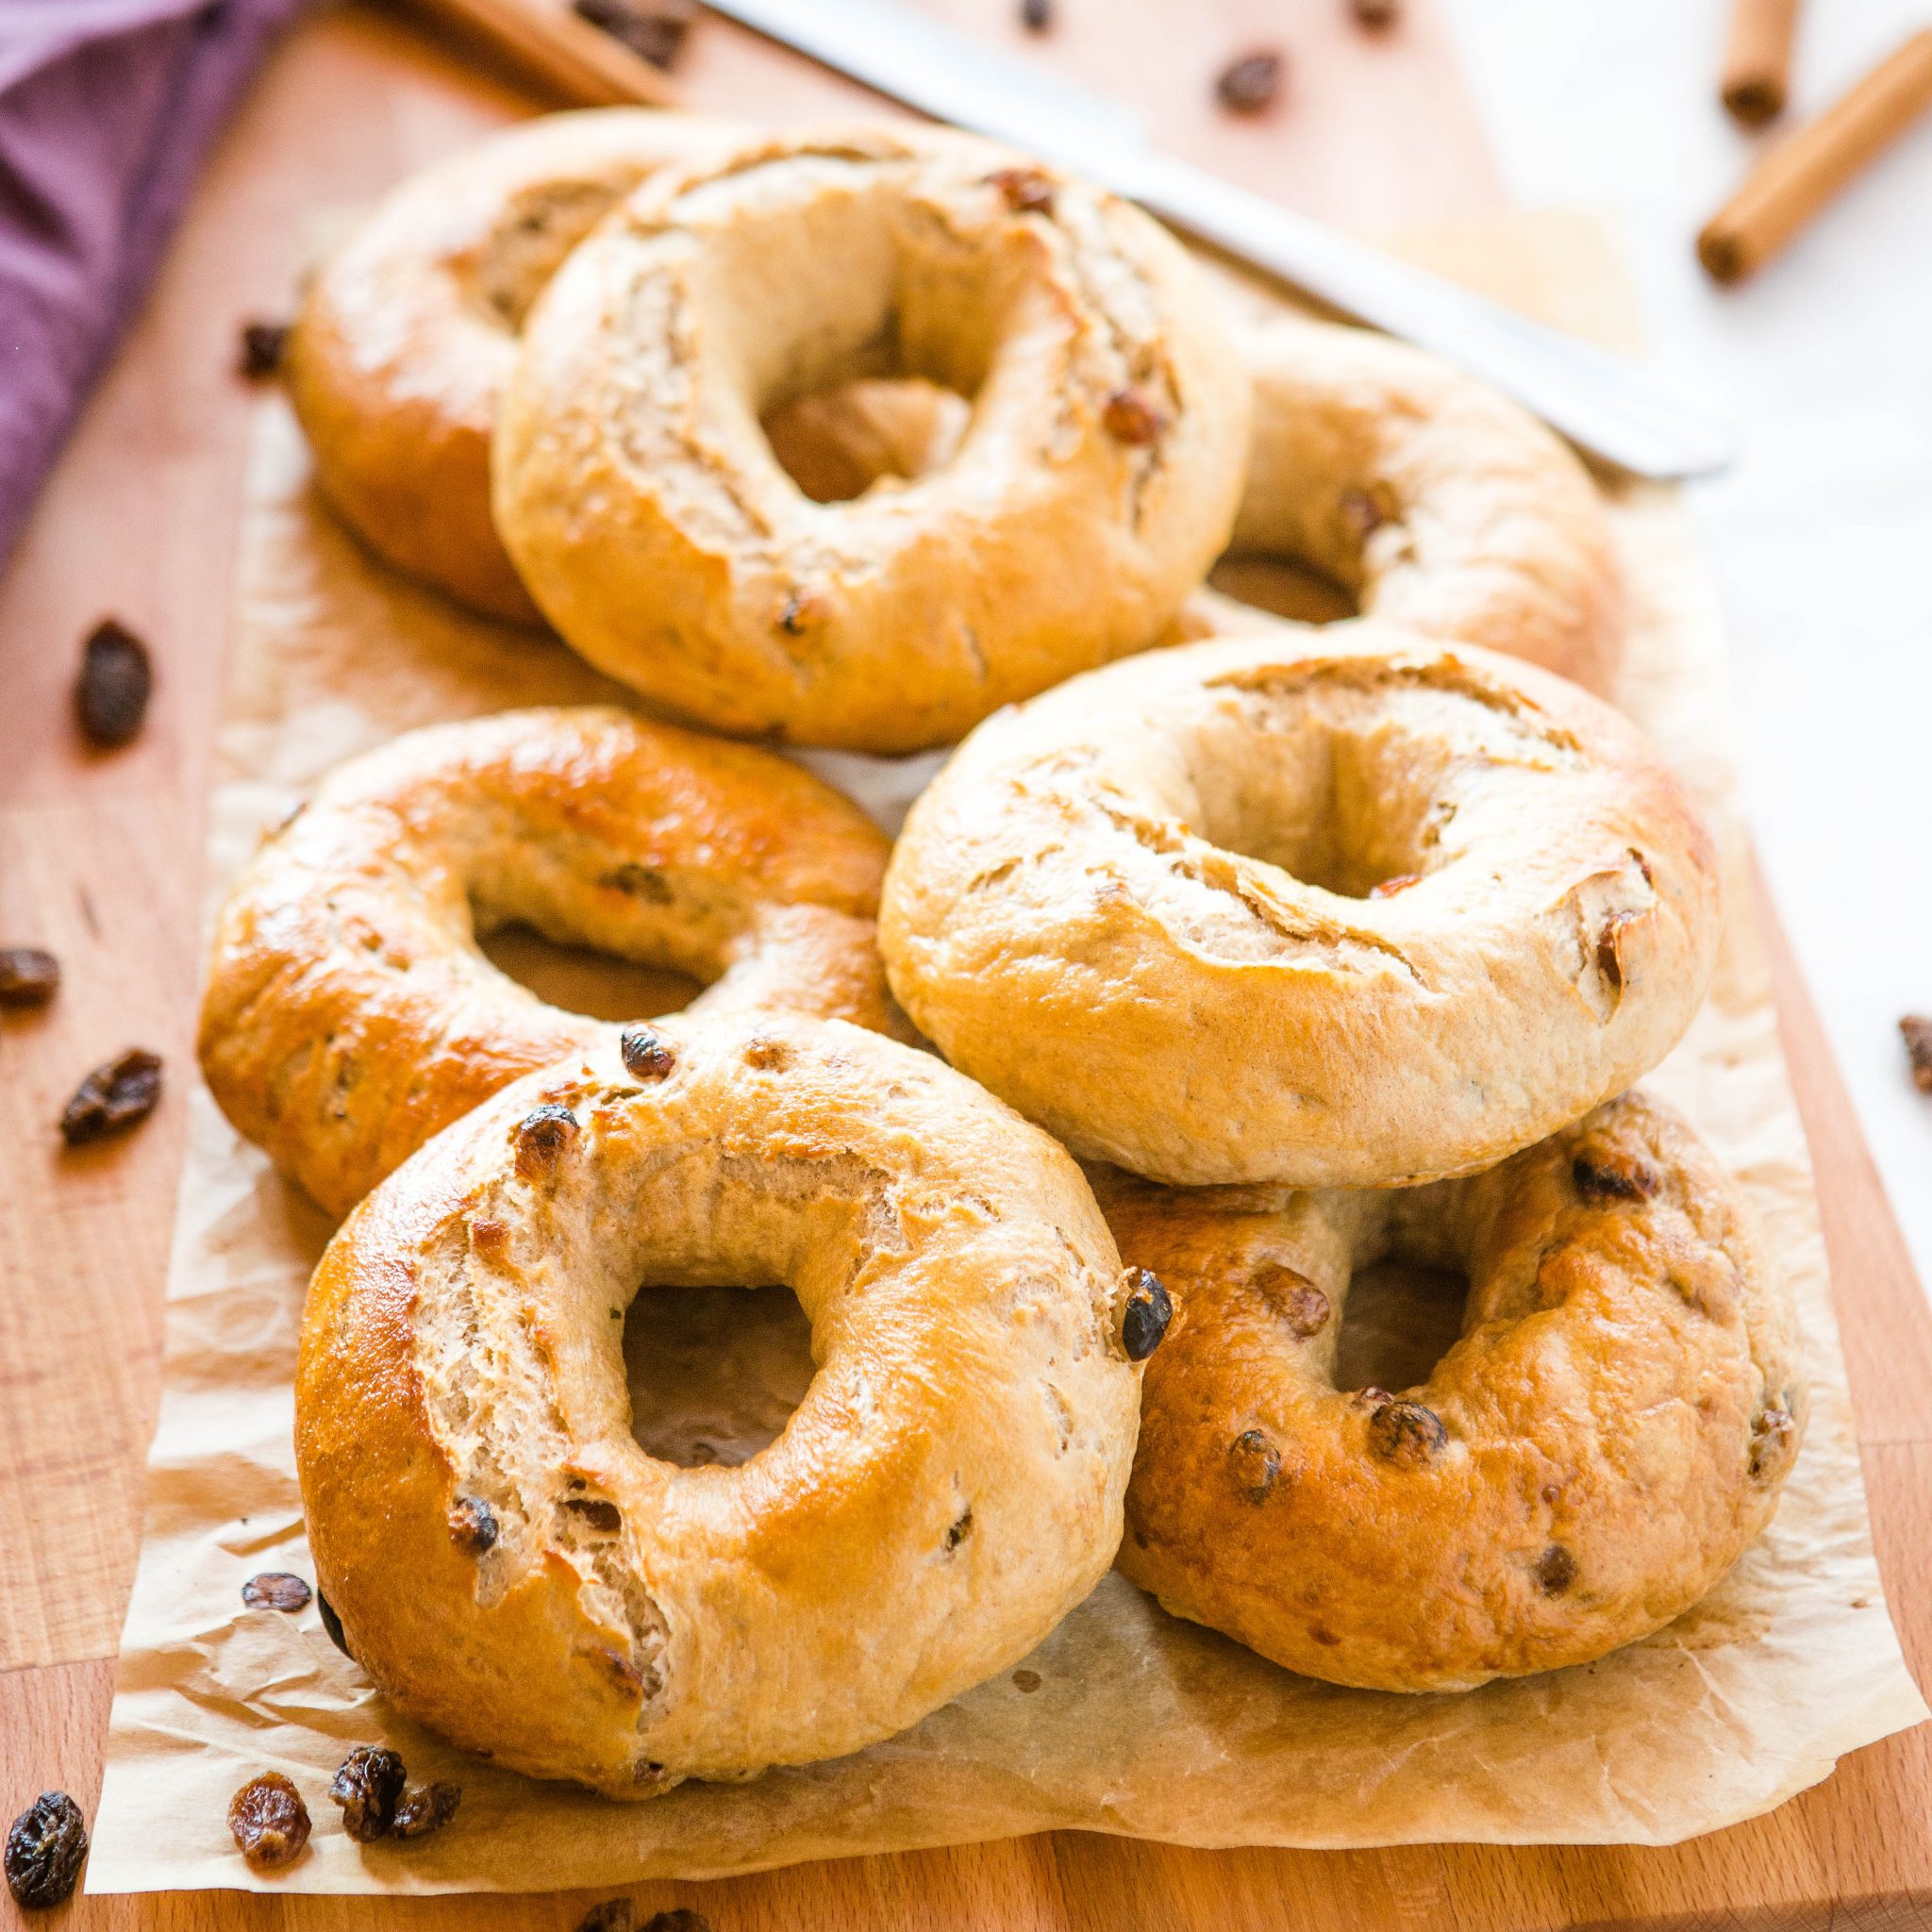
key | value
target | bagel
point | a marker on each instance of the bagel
(350, 1013)
(1322, 907)
(1433, 500)
(1585, 1463)
(1095, 484)
(408, 334)
(949, 1487)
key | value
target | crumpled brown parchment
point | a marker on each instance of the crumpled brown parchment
(1124, 1719)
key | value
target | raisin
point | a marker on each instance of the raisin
(541, 1136)
(46, 1849)
(367, 1784)
(29, 977)
(1407, 1432)
(261, 356)
(1027, 1682)
(1027, 189)
(1296, 1299)
(117, 679)
(114, 1098)
(654, 33)
(1610, 950)
(613, 1915)
(793, 613)
(269, 1820)
(473, 1524)
(957, 1532)
(1375, 15)
(426, 1809)
(1149, 1309)
(1601, 1175)
(1132, 416)
(276, 1589)
(1773, 1439)
(645, 1056)
(1036, 16)
(1255, 1463)
(333, 1624)
(1253, 83)
(1556, 1571)
(1918, 1037)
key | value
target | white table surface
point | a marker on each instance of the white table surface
(1822, 538)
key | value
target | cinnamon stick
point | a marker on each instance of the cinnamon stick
(1758, 59)
(1800, 175)
(578, 62)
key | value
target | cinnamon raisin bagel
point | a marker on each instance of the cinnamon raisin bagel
(1095, 481)
(349, 1012)
(949, 1487)
(1433, 499)
(408, 333)
(1326, 908)
(1585, 1463)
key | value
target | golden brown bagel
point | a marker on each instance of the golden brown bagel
(408, 333)
(1327, 907)
(515, 1569)
(349, 1014)
(1095, 484)
(1435, 501)
(1612, 1430)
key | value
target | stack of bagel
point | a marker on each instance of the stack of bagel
(1225, 959)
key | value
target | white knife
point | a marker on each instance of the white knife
(1595, 399)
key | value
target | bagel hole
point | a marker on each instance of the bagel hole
(836, 442)
(1284, 587)
(579, 980)
(1401, 1318)
(714, 1373)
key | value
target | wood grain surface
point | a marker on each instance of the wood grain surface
(100, 860)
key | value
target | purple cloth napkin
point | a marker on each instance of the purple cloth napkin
(106, 110)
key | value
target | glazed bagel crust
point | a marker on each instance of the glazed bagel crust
(1437, 502)
(349, 1014)
(949, 1487)
(1584, 1465)
(1322, 907)
(408, 335)
(1095, 484)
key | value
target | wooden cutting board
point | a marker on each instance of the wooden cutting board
(100, 859)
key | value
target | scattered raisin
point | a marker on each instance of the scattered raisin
(472, 1525)
(1255, 1463)
(46, 1850)
(654, 31)
(957, 1532)
(1556, 1571)
(276, 1589)
(1407, 1432)
(333, 1624)
(541, 1136)
(1773, 1438)
(1027, 189)
(792, 613)
(28, 976)
(1610, 949)
(1375, 15)
(1132, 416)
(114, 1098)
(613, 1915)
(263, 343)
(367, 1784)
(1036, 16)
(1602, 1175)
(1251, 83)
(427, 1808)
(1387, 889)
(1027, 1682)
(1918, 1037)
(269, 1820)
(1296, 1299)
(117, 679)
(1149, 1309)
(645, 1056)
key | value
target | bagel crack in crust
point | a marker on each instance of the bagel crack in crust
(1095, 480)
(1346, 908)
(1584, 1464)
(350, 1013)
(949, 1487)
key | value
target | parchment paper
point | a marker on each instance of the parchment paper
(1124, 1720)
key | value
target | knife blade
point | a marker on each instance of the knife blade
(1597, 400)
